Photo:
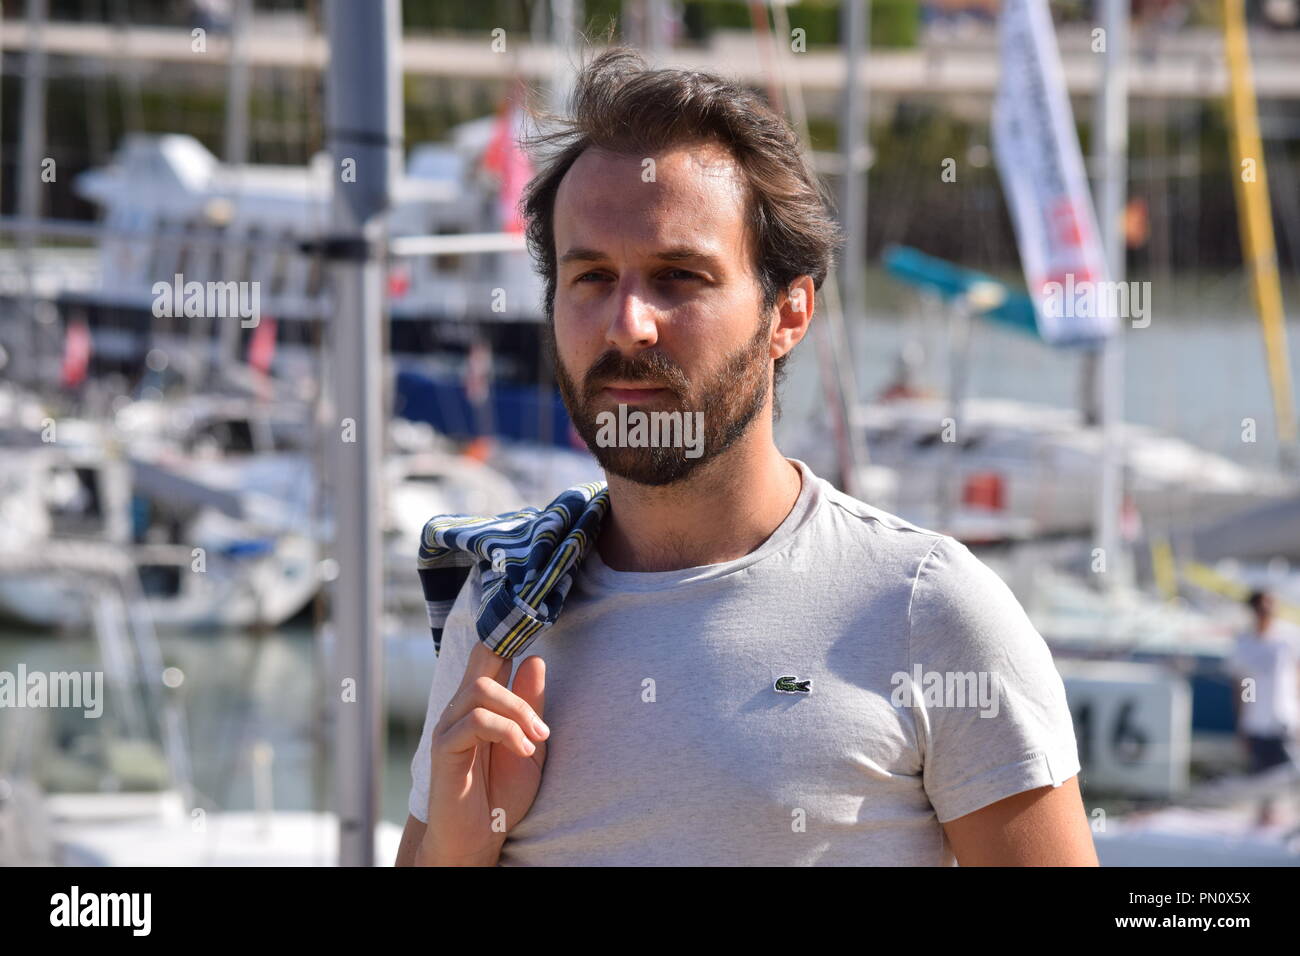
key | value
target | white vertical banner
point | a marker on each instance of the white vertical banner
(1039, 161)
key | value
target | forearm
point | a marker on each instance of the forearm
(419, 848)
(428, 854)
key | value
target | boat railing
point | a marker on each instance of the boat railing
(288, 264)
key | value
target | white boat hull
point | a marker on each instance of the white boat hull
(227, 593)
(93, 830)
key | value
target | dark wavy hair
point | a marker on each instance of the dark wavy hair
(622, 106)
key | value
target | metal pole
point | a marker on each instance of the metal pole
(237, 86)
(364, 116)
(959, 341)
(1111, 156)
(31, 151)
(33, 114)
(855, 27)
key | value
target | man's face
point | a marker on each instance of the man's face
(657, 306)
(1264, 612)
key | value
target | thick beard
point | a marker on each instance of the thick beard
(730, 403)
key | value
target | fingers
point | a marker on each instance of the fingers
(480, 726)
(486, 695)
(483, 709)
(482, 664)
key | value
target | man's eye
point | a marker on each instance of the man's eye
(674, 274)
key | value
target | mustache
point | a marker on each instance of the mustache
(653, 368)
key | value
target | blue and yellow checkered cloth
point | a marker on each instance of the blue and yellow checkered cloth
(526, 560)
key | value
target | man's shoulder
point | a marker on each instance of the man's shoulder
(1281, 636)
(933, 564)
(868, 519)
(1289, 635)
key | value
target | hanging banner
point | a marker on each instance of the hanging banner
(1041, 167)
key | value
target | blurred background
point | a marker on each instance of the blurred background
(175, 353)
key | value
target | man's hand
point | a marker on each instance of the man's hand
(486, 767)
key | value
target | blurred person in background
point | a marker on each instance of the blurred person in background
(1268, 654)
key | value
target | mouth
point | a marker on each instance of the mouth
(629, 394)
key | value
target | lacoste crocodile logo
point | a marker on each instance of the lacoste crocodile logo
(792, 685)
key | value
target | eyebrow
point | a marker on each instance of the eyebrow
(671, 254)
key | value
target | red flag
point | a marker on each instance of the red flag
(507, 160)
(76, 353)
(261, 350)
(399, 281)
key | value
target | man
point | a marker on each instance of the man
(1268, 655)
(751, 668)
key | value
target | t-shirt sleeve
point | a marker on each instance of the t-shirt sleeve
(990, 713)
(458, 639)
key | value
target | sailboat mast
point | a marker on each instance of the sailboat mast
(855, 27)
(834, 354)
(1111, 156)
(1256, 222)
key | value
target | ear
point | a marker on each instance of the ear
(794, 307)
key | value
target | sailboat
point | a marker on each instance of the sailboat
(212, 541)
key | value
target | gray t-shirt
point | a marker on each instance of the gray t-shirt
(930, 695)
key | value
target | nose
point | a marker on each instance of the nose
(634, 324)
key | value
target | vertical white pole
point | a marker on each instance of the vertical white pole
(364, 116)
(237, 83)
(1111, 156)
(31, 150)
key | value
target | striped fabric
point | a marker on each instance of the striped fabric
(526, 559)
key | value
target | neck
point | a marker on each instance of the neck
(723, 511)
